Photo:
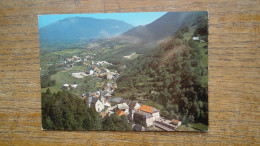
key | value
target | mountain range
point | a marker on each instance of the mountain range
(85, 28)
(82, 28)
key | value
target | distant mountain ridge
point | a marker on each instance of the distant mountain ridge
(82, 28)
(161, 28)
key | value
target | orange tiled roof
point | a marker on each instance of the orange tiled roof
(175, 121)
(145, 108)
(95, 95)
(120, 113)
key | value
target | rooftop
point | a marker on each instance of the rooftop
(120, 113)
(143, 114)
(123, 106)
(116, 99)
(148, 109)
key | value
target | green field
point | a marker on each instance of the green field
(69, 52)
(135, 56)
(64, 77)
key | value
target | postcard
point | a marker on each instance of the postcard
(138, 71)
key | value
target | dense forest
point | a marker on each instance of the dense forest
(173, 75)
(65, 111)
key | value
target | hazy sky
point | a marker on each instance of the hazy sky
(136, 19)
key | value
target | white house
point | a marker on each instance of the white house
(94, 101)
(65, 86)
(155, 114)
(196, 38)
(109, 76)
(99, 106)
(123, 107)
(74, 86)
(107, 104)
(151, 110)
(91, 72)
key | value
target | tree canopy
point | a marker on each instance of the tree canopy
(65, 111)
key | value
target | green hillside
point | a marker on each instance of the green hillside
(173, 75)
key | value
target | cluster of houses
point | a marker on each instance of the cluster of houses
(100, 100)
(73, 59)
(102, 72)
(69, 62)
(76, 59)
(136, 113)
(103, 63)
(94, 68)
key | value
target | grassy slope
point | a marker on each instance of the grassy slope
(135, 56)
(203, 52)
(199, 126)
(189, 34)
(69, 52)
(185, 128)
(193, 127)
(204, 62)
(64, 77)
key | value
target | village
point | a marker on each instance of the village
(94, 68)
(140, 115)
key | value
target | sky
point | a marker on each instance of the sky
(136, 19)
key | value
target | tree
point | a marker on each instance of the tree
(114, 122)
(65, 111)
(108, 124)
(46, 81)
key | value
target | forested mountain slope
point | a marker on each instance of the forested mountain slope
(162, 28)
(174, 75)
